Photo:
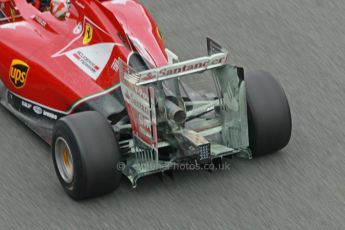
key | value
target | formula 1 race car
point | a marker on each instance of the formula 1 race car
(100, 87)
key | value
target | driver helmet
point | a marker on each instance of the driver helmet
(60, 8)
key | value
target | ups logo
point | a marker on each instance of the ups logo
(88, 34)
(18, 73)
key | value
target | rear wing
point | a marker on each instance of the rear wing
(140, 96)
(217, 56)
(163, 115)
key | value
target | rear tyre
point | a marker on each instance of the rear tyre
(269, 116)
(85, 155)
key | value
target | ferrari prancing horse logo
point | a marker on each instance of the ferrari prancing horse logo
(18, 73)
(88, 34)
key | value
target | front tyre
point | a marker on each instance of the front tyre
(269, 117)
(85, 155)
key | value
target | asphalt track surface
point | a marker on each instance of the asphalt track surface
(302, 187)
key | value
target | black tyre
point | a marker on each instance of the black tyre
(85, 155)
(269, 116)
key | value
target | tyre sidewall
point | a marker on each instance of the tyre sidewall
(78, 184)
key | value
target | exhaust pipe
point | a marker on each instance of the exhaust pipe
(174, 112)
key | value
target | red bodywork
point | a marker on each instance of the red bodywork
(72, 61)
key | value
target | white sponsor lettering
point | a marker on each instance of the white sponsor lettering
(26, 105)
(91, 59)
(116, 65)
(138, 100)
(40, 21)
(50, 115)
(38, 110)
(179, 69)
(139, 103)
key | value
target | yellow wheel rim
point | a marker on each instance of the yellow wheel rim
(64, 160)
